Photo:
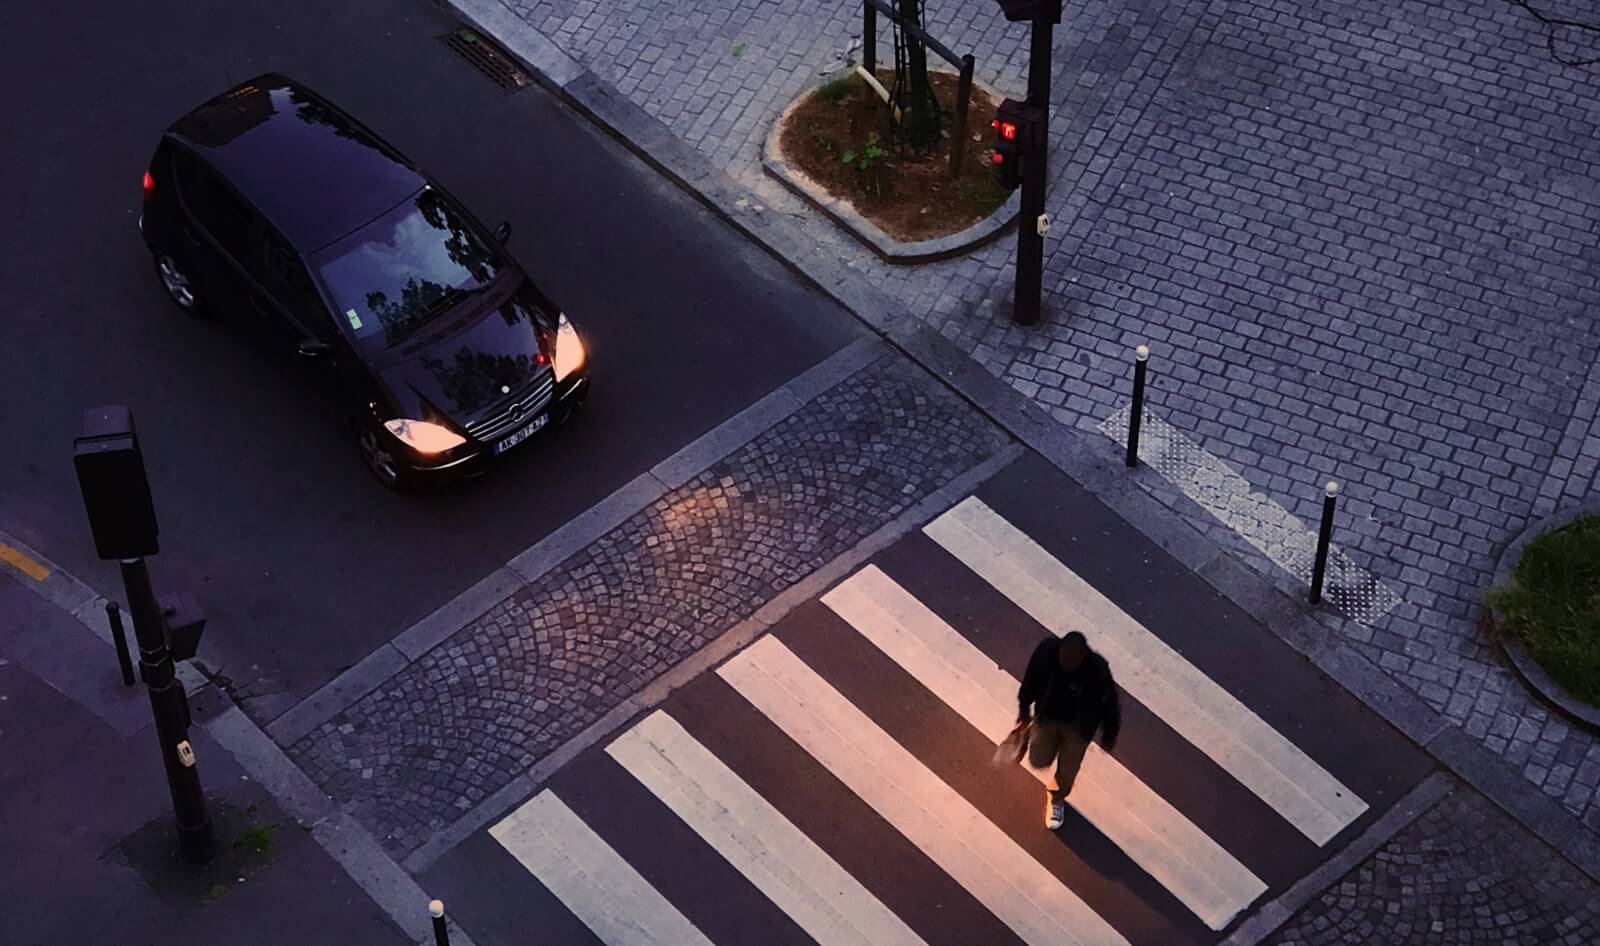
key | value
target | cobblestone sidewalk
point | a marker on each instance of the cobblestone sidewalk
(1359, 236)
(1462, 874)
(411, 757)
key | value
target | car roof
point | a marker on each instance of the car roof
(310, 167)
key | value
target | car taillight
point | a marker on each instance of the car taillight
(149, 187)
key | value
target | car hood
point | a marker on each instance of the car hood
(471, 364)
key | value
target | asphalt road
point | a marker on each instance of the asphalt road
(303, 562)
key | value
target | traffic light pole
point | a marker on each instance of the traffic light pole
(1027, 304)
(170, 706)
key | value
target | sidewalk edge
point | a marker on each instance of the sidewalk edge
(658, 146)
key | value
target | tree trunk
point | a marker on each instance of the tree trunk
(920, 122)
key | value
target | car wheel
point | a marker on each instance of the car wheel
(175, 280)
(381, 460)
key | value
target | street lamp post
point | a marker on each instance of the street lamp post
(116, 495)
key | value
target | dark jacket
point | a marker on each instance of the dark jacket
(1046, 684)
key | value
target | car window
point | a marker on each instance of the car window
(214, 206)
(405, 268)
(285, 276)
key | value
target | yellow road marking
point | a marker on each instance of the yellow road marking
(22, 563)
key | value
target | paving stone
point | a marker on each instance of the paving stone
(491, 700)
(1462, 874)
(1375, 219)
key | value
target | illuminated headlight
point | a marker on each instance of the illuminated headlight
(569, 349)
(423, 437)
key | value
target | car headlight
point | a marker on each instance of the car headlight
(423, 437)
(569, 349)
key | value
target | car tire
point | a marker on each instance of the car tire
(174, 277)
(380, 459)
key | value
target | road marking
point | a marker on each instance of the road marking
(587, 874)
(1190, 702)
(797, 875)
(996, 870)
(23, 562)
(1206, 878)
(1272, 529)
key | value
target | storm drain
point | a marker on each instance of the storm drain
(487, 58)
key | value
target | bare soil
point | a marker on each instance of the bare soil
(909, 195)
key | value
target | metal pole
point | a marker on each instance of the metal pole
(1320, 566)
(1027, 305)
(958, 140)
(869, 38)
(441, 935)
(119, 637)
(171, 709)
(1141, 356)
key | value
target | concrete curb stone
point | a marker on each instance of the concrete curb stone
(852, 221)
(658, 146)
(1528, 669)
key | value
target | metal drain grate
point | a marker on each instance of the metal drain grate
(487, 58)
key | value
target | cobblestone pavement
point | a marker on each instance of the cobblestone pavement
(480, 709)
(1463, 873)
(1359, 236)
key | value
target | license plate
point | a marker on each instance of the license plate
(521, 435)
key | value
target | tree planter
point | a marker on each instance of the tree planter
(841, 211)
(1534, 676)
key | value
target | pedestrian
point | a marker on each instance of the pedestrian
(1068, 693)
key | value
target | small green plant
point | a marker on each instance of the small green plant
(257, 838)
(738, 50)
(868, 161)
(868, 157)
(837, 92)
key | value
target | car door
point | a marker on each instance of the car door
(292, 318)
(212, 230)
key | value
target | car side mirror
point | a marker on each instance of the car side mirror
(311, 348)
(503, 232)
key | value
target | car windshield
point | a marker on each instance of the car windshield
(395, 274)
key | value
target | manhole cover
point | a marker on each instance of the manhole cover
(487, 58)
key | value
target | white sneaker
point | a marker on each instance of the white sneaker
(1055, 813)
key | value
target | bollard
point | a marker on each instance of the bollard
(1320, 566)
(1141, 356)
(119, 637)
(441, 936)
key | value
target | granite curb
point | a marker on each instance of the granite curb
(1309, 631)
(373, 870)
(1271, 916)
(723, 646)
(841, 212)
(1528, 669)
(532, 563)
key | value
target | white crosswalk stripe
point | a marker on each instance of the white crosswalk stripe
(797, 875)
(587, 875)
(1156, 836)
(997, 871)
(1037, 902)
(1254, 753)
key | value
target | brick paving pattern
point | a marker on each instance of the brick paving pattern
(1462, 874)
(1359, 236)
(432, 742)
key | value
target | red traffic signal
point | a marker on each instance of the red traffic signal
(1016, 129)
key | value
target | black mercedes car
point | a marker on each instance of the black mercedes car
(272, 207)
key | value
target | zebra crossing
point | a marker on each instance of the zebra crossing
(868, 687)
